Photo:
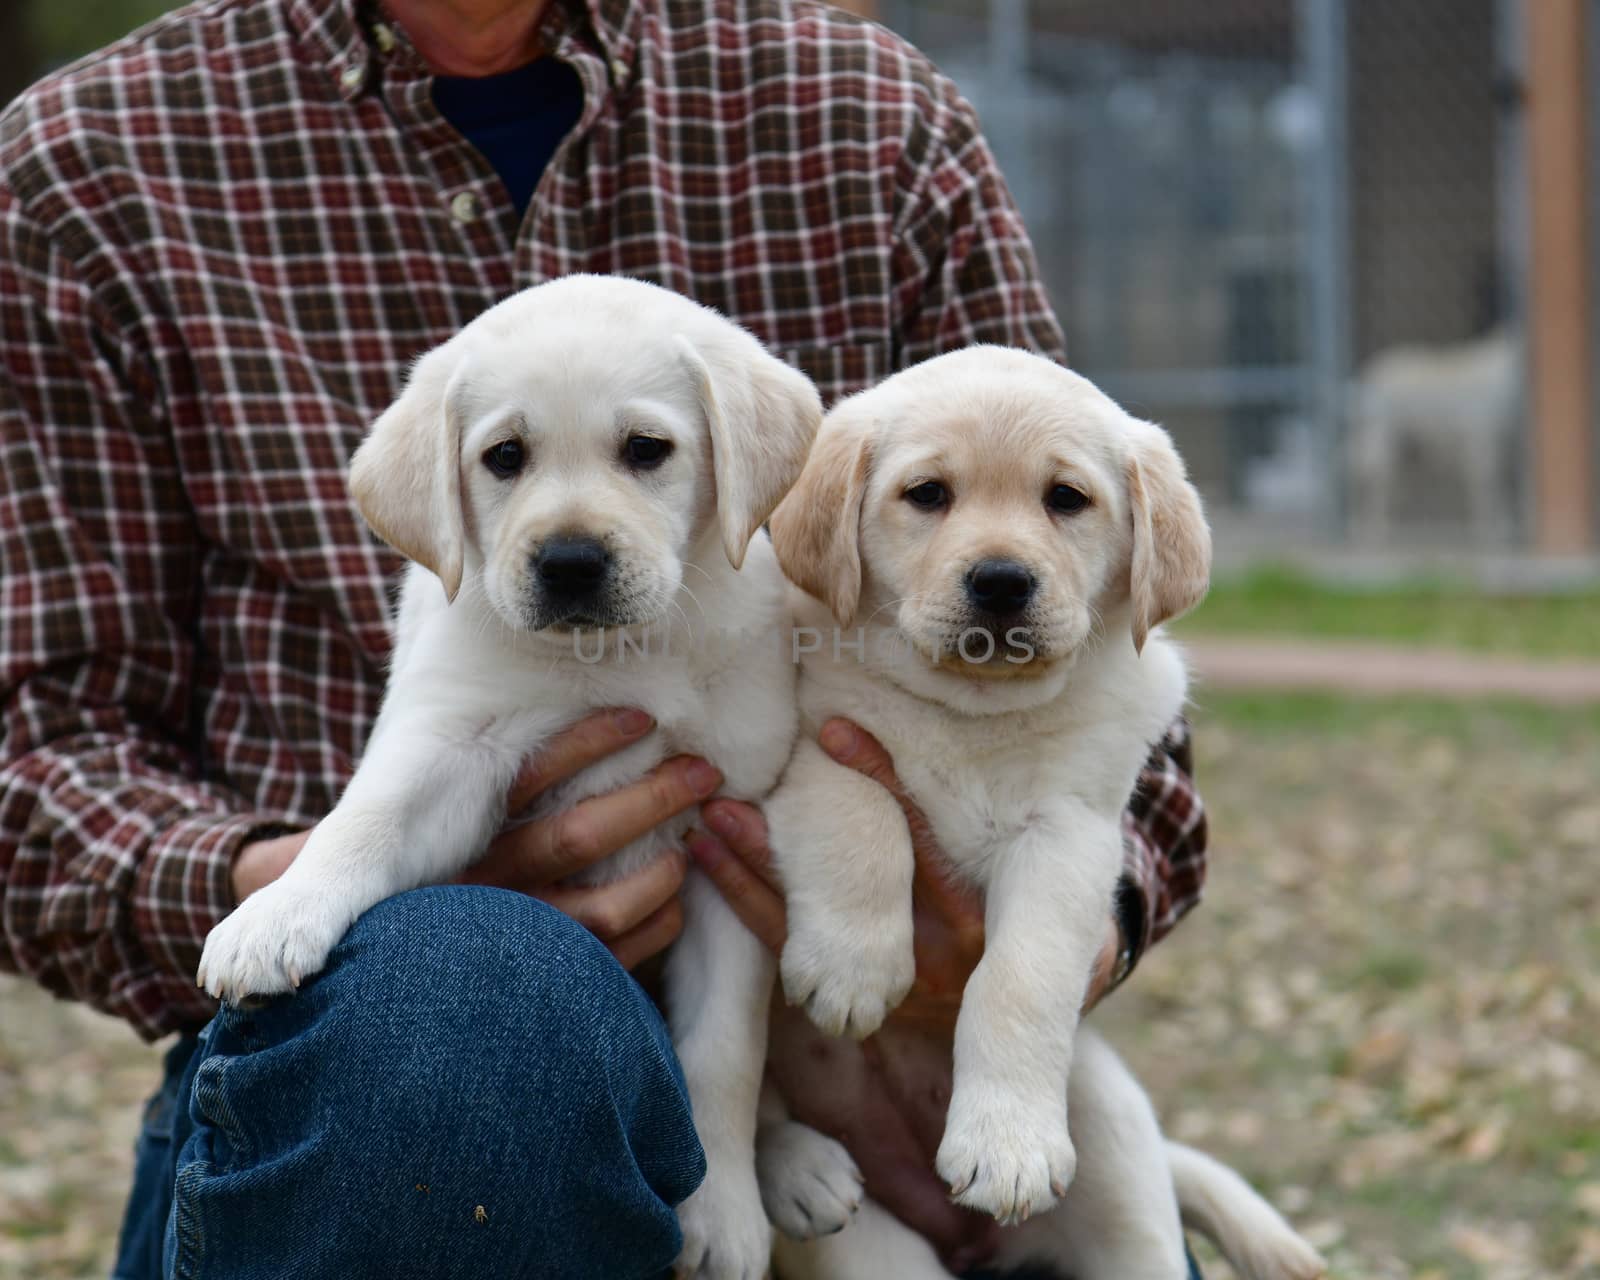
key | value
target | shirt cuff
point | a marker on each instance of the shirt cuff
(1138, 890)
(185, 889)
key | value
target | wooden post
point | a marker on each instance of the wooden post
(1559, 321)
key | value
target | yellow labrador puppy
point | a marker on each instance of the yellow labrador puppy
(556, 471)
(988, 544)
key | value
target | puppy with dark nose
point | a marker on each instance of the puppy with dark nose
(556, 472)
(572, 572)
(990, 495)
(999, 588)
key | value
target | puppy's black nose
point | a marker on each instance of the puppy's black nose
(571, 567)
(1000, 587)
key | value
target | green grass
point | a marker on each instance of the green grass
(1281, 602)
(1493, 719)
(1391, 968)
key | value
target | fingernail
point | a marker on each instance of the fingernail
(724, 822)
(630, 722)
(839, 740)
(703, 778)
(707, 852)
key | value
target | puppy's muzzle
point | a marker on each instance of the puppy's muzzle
(1000, 588)
(571, 570)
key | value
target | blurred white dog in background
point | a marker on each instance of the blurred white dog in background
(1440, 417)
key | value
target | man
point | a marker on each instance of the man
(220, 243)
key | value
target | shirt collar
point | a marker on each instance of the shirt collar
(329, 29)
(616, 23)
(338, 33)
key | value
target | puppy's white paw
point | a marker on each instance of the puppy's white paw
(276, 938)
(1004, 1157)
(848, 979)
(726, 1235)
(809, 1184)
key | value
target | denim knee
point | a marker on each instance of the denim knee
(472, 1086)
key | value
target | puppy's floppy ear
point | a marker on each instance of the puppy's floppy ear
(762, 416)
(1171, 567)
(816, 530)
(406, 476)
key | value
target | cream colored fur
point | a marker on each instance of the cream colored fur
(569, 371)
(1021, 752)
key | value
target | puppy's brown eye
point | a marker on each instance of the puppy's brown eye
(930, 495)
(1067, 500)
(504, 459)
(646, 452)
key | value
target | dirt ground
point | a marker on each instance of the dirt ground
(1387, 1013)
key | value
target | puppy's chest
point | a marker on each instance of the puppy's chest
(979, 804)
(740, 717)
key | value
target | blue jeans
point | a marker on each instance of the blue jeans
(471, 1088)
(465, 1049)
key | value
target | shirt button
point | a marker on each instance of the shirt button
(352, 78)
(464, 208)
(619, 72)
(383, 36)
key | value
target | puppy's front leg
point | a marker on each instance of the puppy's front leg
(419, 807)
(844, 850)
(1006, 1150)
(718, 985)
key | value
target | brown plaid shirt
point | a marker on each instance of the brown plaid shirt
(221, 241)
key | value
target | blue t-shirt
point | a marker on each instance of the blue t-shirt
(515, 119)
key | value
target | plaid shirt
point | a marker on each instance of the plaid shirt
(222, 240)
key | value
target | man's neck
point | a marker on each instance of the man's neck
(472, 37)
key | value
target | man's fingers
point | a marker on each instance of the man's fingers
(554, 848)
(857, 749)
(744, 830)
(596, 736)
(655, 935)
(611, 911)
(1105, 967)
(753, 900)
(851, 745)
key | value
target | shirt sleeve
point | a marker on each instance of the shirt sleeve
(115, 857)
(1164, 841)
(968, 274)
(964, 266)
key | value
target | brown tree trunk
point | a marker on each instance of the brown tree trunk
(18, 65)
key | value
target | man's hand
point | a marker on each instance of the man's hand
(888, 1124)
(949, 917)
(635, 917)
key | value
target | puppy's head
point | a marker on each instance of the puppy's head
(994, 509)
(576, 445)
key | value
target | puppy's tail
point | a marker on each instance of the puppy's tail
(1223, 1207)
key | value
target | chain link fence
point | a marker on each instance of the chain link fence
(1287, 229)
(1290, 230)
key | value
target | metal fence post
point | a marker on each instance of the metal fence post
(1321, 31)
